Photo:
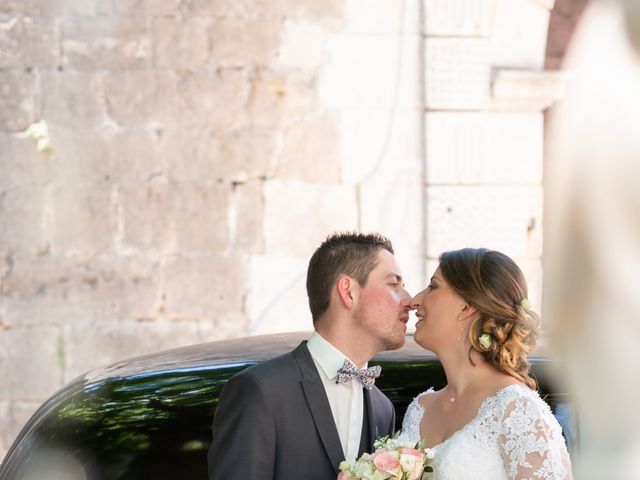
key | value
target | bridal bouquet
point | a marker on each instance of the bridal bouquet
(392, 460)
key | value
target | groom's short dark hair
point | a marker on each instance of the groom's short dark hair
(349, 253)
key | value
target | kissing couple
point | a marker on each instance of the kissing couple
(298, 416)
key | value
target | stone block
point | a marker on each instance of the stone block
(311, 151)
(21, 164)
(484, 148)
(206, 287)
(180, 42)
(172, 218)
(72, 99)
(277, 297)
(397, 210)
(79, 220)
(23, 215)
(459, 18)
(248, 213)
(327, 10)
(17, 100)
(29, 42)
(303, 45)
(147, 7)
(382, 17)
(89, 347)
(458, 75)
(206, 155)
(381, 145)
(142, 99)
(504, 218)
(241, 42)
(314, 211)
(106, 43)
(213, 100)
(371, 71)
(280, 99)
(519, 36)
(67, 290)
(225, 8)
(247, 154)
(133, 156)
(30, 362)
(13, 416)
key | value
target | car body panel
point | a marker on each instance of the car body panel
(151, 416)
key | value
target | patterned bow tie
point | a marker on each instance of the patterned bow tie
(366, 376)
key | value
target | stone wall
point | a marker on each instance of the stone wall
(201, 150)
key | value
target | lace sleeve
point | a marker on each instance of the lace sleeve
(531, 441)
(411, 421)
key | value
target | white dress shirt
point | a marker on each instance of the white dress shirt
(346, 399)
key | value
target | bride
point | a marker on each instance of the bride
(488, 422)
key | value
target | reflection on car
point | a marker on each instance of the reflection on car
(151, 416)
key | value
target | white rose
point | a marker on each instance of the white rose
(408, 462)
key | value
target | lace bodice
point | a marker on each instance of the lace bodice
(513, 436)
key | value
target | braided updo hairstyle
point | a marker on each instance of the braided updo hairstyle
(492, 283)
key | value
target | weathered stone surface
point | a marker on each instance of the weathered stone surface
(248, 210)
(519, 36)
(89, 347)
(497, 148)
(314, 211)
(17, 100)
(382, 17)
(181, 42)
(380, 145)
(175, 218)
(311, 151)
(206, 155)
(21, 164)
(225, 8)
(22, 220)
(204, 286)
(213, 100)
(471, 18)
(396, 209)
(147, 7)
(144, 99)
(241, 42)
(508, 219)
(384, 75)
(79, 220)
(247, 154)
(134, 156)
(278, 99)
(458, 73)
(29, 42)
(72, 99)
(76, 291)
(303, 44)
(277, 299)
(112, 43)
(35, 353)
(330, 9)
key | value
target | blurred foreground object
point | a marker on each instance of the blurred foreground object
(592, 292)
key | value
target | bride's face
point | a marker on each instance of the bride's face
(438, 308)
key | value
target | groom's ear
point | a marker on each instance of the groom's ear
(346, 291)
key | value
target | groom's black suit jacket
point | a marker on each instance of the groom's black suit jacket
(274, 421)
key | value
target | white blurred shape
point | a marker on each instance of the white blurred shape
(592, 293)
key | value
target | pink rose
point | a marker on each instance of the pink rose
(386, 462)
(344, 475)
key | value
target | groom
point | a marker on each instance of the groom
(289, 418)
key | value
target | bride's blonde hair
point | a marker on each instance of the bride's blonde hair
(492, 283)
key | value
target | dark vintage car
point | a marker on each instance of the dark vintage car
(150, 417)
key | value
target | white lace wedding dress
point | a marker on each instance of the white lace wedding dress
(513, 436)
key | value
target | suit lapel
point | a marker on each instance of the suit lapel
(374, 434)
(319, 406)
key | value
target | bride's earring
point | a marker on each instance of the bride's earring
(461, 328)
